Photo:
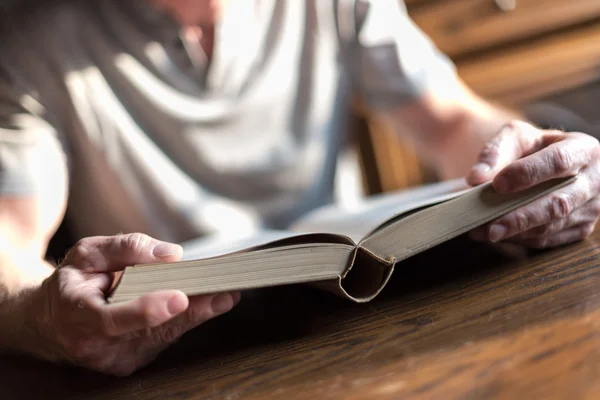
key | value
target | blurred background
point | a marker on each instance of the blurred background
(540, 57)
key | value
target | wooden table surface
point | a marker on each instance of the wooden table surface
(456, 322)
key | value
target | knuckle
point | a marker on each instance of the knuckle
(135, 242)
(512, 126)
(143, 333)
(79, 253)
(521, 222)
(561, 206)
(63, 278)
(532, 172)
(563, 160)
(170, 335)
(490, 152)
(66, 287)
(526, 172)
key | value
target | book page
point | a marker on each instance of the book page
(358, 221)
(430, 226)
(219, 245)
(225, 245)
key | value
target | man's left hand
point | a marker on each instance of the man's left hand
(521, 156)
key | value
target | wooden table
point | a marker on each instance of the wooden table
(457, 322)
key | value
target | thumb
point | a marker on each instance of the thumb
(114, 253)
(515, 140)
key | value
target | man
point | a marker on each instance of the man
(179, 118)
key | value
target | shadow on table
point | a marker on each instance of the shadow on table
(287, 319)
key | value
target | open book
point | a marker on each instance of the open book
(351, 252)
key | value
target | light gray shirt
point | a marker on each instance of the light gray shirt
(154, 140)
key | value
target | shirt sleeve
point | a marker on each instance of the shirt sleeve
(31, 154)
(391, 61)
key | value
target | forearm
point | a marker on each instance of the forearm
(26, 225)
(448, 128)
(453, 146)
(21, 302)
(23, 317)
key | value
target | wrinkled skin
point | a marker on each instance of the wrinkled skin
(521, 156)
(81, 328)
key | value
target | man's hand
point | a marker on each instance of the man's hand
(521, 156)
(78, 326)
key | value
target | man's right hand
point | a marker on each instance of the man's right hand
(76, 324)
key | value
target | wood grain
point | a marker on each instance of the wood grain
(463, 26)
(459, 321)
(537, 68)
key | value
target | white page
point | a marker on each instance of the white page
(358, 221)
(219, 245)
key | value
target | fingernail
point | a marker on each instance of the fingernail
(164, 250)
(221, 303)
(501, 184)
(497, 232)
(481, 168)
(479, 174)
(177, 305)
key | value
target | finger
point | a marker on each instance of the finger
(514, 251)
(114, 253)
(560, 159)
(515, 140)
(198, 313)
(200, 310)
(554, 206)
(510, 250)
(588, 213)
(479, 234)
(149, 311)
(204, 308)
(147, 343)
(567, 236)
